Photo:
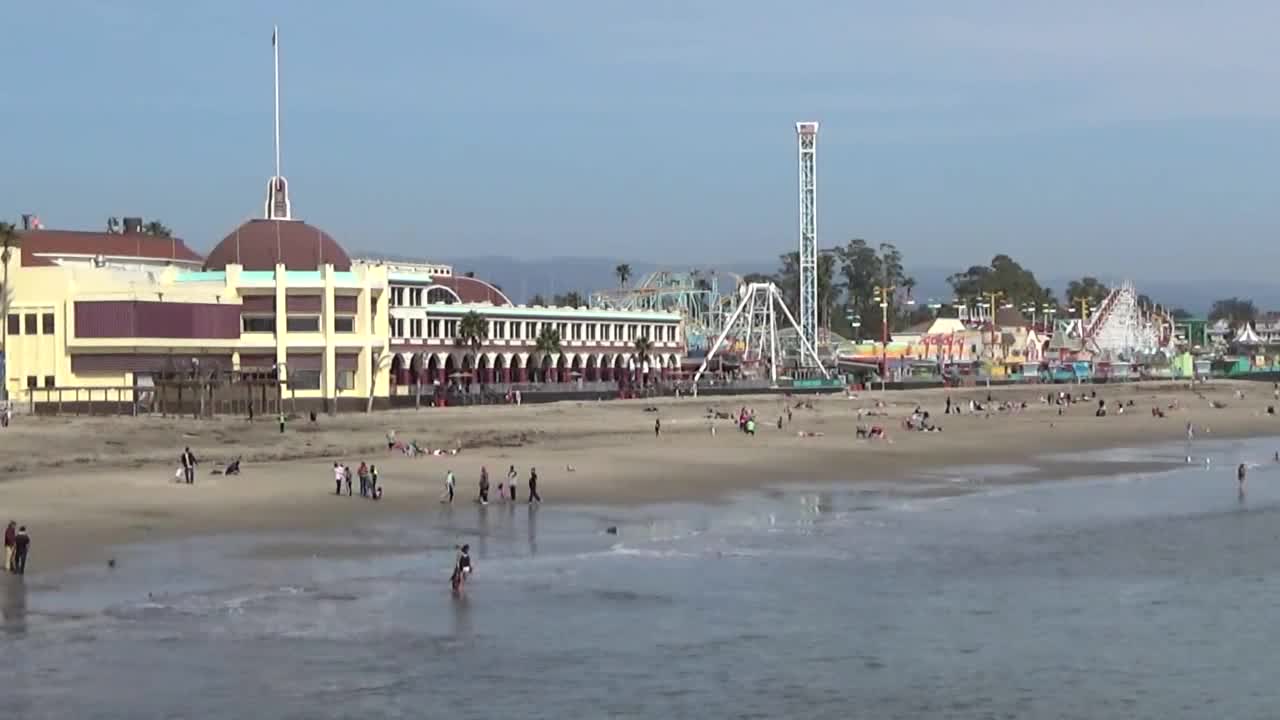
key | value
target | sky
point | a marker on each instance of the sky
(1136, 137)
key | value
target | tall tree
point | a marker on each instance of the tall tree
(866, 270)
(473, 330)
(643, 349)
(1004, 275)
(547, 344)
(1236, 311)
(1087, 289)
(157, 229)
(623, 272)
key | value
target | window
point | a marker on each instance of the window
(48, 381)
(450, 329)
(31, 382)
(397, 296)
(415, 328)
(499, 329)
(15, 325)
(531, 330)
(255, 324)
(433, 328)
(303, 323)
(46, 323)
(346, 379)
(304, 379)
(671, 333)
(29, 321)
(344, 324)
(617, 331)
(415, 297)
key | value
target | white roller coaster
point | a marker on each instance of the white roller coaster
(1122, 329)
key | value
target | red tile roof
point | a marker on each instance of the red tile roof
(35, 243)
(260, 244)
(472, 290)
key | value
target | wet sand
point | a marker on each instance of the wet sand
(86, 484)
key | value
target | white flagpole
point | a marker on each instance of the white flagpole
(275, 47)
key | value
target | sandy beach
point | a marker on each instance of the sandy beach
(85, 484)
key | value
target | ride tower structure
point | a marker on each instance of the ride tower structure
(807, 146)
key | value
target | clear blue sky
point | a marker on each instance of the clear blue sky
(663, 130)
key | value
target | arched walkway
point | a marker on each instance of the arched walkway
(575, 369)
(545, 369)
(562, 369)
(500, 372)
(591, 370)
(620, 368)
(433, 369)
(483, 375)
(399, 373)
(450, 370)
(517, 370)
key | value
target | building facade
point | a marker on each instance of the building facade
(103, 316)
(427, 312)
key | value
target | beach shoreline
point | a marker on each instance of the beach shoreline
(87, 485)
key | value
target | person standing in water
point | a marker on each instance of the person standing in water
(533, 486)
(484, 485)
(657, 427)
(21, 546)
(1241, 472)
(512, 481)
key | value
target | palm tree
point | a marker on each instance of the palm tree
(623, 272)
(473, 330)
(157, 228)
(548, 343)
(9, 240)
(643, 348)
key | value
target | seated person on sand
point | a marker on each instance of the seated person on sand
(877, 433)
(233, 468)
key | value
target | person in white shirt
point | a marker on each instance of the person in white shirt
(448, 487)
(512, 481)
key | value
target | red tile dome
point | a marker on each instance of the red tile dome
(260, 244)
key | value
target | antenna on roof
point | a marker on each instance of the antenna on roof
(277, 207)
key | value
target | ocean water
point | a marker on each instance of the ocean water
(1145, 595)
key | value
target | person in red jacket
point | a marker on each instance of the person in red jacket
(10, 541)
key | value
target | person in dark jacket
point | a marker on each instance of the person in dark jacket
(188, 466)
(21, 546)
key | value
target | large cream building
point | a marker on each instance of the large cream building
(97, 317)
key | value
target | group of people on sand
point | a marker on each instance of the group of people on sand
(508, 490)
(367, 474)
(747, 420)
(17, 545)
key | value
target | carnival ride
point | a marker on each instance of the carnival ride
(1121, 328)
(695, 295)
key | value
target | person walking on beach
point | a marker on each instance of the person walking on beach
(484, 485)
(657, 427)
(1241, 472)
(21, 546)
(337, 479)
(10, 542)
(346, 477)
(363, 473)
(448, 487)
(188, 466)
(281, 422)
(512, 481)
(533, 486)
(375, 492)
